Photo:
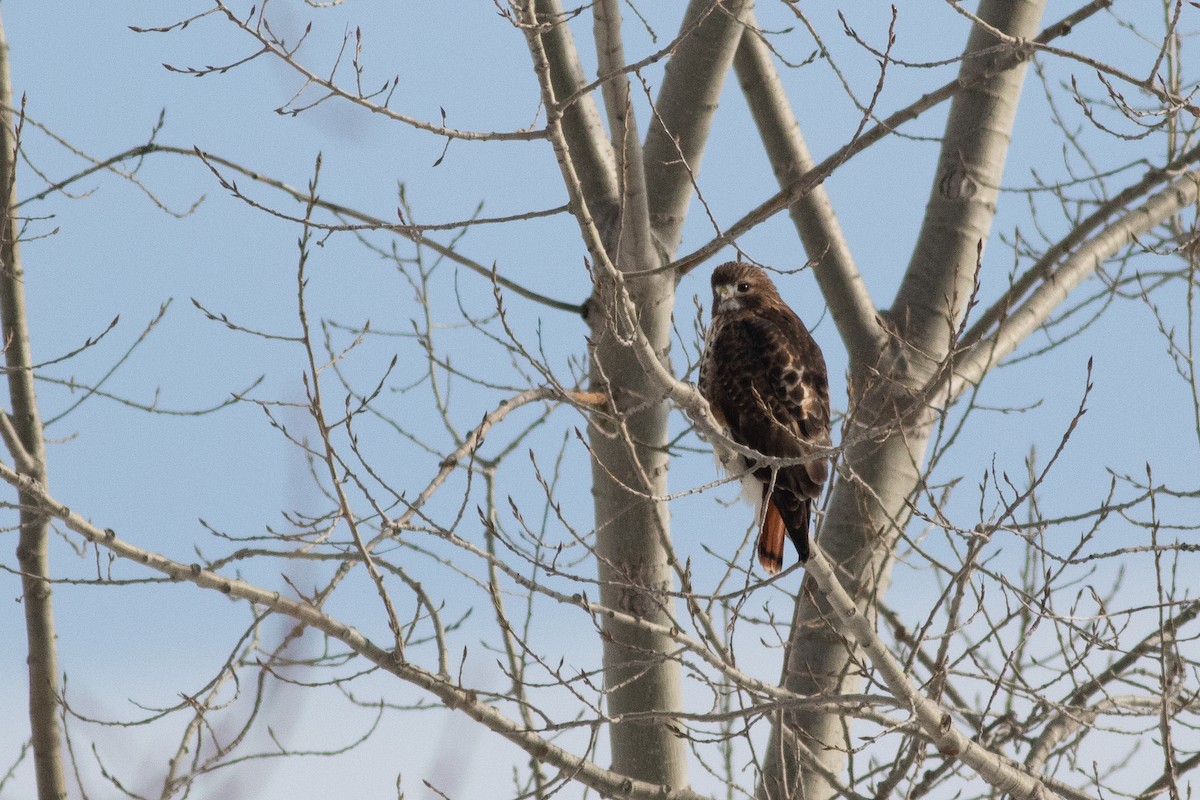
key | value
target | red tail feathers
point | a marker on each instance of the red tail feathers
(771, 539)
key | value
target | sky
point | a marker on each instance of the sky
(176, 237)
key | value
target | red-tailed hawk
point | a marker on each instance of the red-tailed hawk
(765, 379)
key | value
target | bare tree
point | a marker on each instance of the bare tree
(960, 628)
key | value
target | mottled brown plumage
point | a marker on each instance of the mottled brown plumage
(764, 377)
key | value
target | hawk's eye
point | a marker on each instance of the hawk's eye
(743, 287)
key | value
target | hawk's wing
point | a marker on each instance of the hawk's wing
(765, 378)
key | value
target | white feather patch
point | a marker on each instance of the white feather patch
(734, 464)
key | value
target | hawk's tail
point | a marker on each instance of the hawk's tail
(770, 540)
(775, 531)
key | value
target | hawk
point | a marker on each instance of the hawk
(764, 378)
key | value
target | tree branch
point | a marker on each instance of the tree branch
(606, 782)
(999, 772)
(415, 233)
(962, 204)
(813, 215)
(579, 120)
(1037, 308)
(633, 551)
(33, 546)
(1042, 270)
(684, 111)
(1012, 57)
(269, 43)
(633, 247)
(1070, 711)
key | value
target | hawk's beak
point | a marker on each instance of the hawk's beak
(726, 297)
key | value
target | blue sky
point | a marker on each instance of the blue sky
(111, 250)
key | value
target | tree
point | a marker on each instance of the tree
(1035, 618)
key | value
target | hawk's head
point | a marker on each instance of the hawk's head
(738, 287)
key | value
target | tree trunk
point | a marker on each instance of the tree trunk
(867, 509)
(629, 439)
(25, 439)
(629, 466)
(629, 478)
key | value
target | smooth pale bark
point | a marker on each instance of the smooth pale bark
(962, 203)
(608, 182)
(867, 508)
(629, 466)
(630, 461)
(631, 528)
(33, 546)
(581, 121)
(684, 110)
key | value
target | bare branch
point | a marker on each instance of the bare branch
(962, 201)
(813, 177)
(579, 119)
(1005, 776)
(33, 549)
(1074, 710)
(813, 215)
(1079, 232)
(269, 43)
(454, 696)
(1082, 262)
(414, 233)
(686, 106)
